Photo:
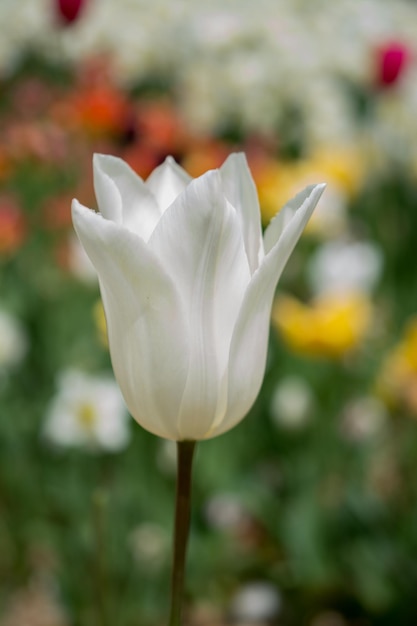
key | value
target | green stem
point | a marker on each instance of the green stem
(101, 583)
(185, 451)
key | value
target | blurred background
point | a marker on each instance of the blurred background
(305, 514)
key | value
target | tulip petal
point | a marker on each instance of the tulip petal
(252, 328)
(107, 194)
(284, 216)
(199, 242)
(240, 190)
(167, 182)
(146, 323)
(123, 197)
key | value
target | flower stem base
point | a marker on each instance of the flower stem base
(185, 454)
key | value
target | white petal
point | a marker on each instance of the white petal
(167, 182)
(277, 225)
(146, 324)
(198, 240)
(108, 196)
(247, 353)
(241, 192)
(250, 338)
(122, 196)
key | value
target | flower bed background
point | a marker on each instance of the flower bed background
(305, 513)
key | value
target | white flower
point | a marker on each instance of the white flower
(256, 602)
(87, 411)
(224, 511)
(13, 341)
(364, 418)
(345, 267)
(187, 284)
(150, 545)
(292, 402)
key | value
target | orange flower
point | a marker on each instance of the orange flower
(142, 160)
(5, 166)
(160, 128)
(57, 212)
(12, 226)
(99, 110)
(205, 155)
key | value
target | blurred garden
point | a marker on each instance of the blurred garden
(305, 514)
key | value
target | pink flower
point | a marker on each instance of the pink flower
(392, 59)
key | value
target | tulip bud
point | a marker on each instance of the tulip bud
(69, 10)
(187, 283)
(392, 60)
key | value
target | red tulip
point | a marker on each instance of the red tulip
(69, 10)
(393, 57)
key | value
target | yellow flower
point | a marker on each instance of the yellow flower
(274, 180)
(331, 326)
(397, 379)
(100, 322)
(342, 169)
(408, 345)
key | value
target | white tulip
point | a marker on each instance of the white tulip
(187, 283)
